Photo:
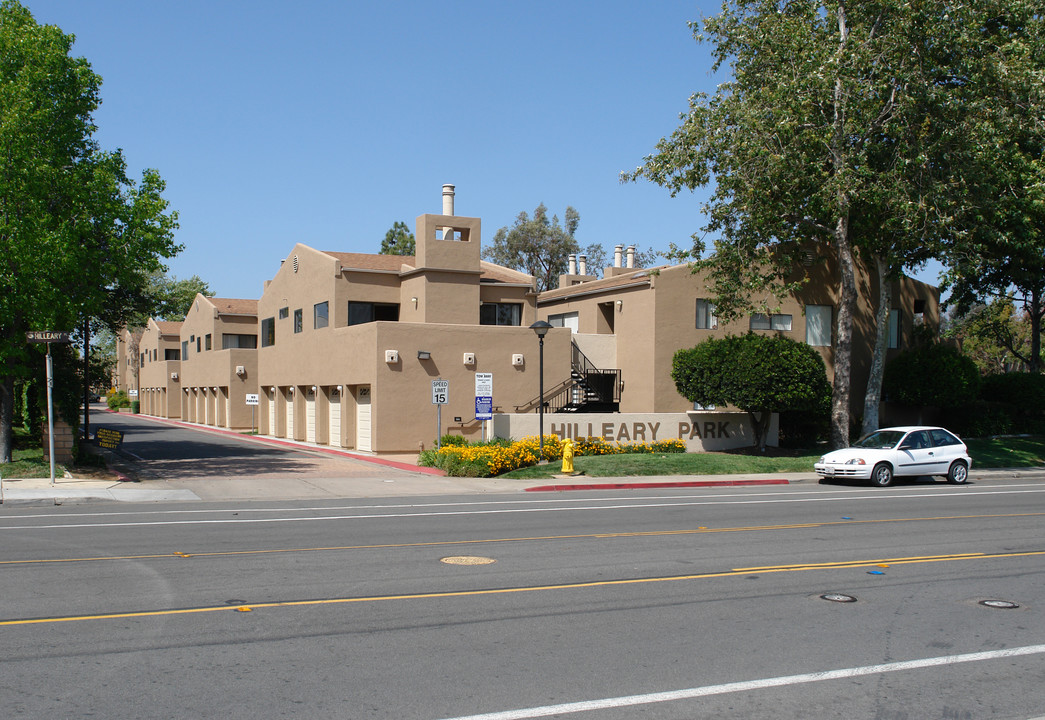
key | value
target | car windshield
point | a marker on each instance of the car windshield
(882, 440)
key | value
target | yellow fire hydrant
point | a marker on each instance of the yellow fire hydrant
(567, 456)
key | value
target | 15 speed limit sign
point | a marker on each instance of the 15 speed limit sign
(440, 392)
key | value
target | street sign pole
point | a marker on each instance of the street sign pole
(440, 396)
(46, 336)
(50, 411)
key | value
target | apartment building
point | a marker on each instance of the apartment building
(159, 359)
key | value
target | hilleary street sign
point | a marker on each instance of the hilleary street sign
(46, 336)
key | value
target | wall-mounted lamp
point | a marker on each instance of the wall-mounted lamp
(273, 388)
(313, 388)
(424, 355)
(414, 301)
(620, 303)
(291, 390)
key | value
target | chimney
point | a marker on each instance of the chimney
(448, 199)
(572, 265)
(631, 256)
(617, 251)
(582, 261)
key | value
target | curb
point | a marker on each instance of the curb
(683, 483)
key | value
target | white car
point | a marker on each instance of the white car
(899, 451)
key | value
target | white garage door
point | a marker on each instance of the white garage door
(272, 412)
(334, 437)
(290, 417)
(363, 418)
(310, 417)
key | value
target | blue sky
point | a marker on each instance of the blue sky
(324, 122)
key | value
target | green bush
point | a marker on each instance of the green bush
(135, 406)
(449, 440)
(117, 400)
(933, 375)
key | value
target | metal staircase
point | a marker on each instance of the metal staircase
(588, 389)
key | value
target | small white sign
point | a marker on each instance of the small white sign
(252, 398)
(484, 384)
(440, 392)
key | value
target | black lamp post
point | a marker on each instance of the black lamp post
(541, 327)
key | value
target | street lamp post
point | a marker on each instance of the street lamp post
(541, 327)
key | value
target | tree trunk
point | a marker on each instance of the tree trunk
(1036, 312)
(873, 397)
(7, 406)
(760, 424)
(844, 249)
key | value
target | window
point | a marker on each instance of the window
(185, 350)
(818, 325)
(297, 320)
(206, 342)
(500, 314)
(238, 341)
(268, 332)
(198, 343)
(364, 312)
(761, 321)
(706, 319)
(142, 361)
(894, 329)
(321, 315)
(570, 320)
(284, 313)
(171, 354)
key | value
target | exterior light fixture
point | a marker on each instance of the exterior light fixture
(424, 355)
(620, 304)
(541, 328)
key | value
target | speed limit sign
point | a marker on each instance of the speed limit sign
(440, 392)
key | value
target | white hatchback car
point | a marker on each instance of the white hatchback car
(899, 451)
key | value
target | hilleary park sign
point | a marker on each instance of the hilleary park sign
(703, 430)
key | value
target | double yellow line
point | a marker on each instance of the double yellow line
(536, 588)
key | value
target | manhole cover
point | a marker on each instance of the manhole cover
(838, 597)
(999, 604)
(467, 560)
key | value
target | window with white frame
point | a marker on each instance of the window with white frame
(818, 325)
(706, 319)
(761, 321)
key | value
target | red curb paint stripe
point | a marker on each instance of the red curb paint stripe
(623, 486)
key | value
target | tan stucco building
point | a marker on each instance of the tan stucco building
(342, 348)
(219, 365)
(350, 343)
(635, 320)
(159, 378)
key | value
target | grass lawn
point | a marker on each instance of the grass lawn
(1011, 452)
(29, 462)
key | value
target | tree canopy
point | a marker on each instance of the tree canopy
(78, 238)
(398, 240)
(538, 245)
(837, 133)
(760, 374)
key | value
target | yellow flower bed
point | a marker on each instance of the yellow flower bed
(491, 460)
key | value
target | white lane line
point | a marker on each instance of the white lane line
(450, 513)
(674, 695)
(792, 496)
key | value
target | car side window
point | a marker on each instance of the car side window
(942, 437)
(917, 440)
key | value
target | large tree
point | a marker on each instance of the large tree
(538, 245)
(78, 238)
(999, 249)
(825, 138)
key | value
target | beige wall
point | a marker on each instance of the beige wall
(160, 379)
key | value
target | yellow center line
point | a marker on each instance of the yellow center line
(539, 538)
(514, 590)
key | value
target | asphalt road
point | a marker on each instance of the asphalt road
(703, 603)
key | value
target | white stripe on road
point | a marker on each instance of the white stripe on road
(503, 511)
(674, 695)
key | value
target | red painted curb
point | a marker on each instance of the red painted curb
(622, 486)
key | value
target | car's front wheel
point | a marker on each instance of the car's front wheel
(958, 473)
(882, 475)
